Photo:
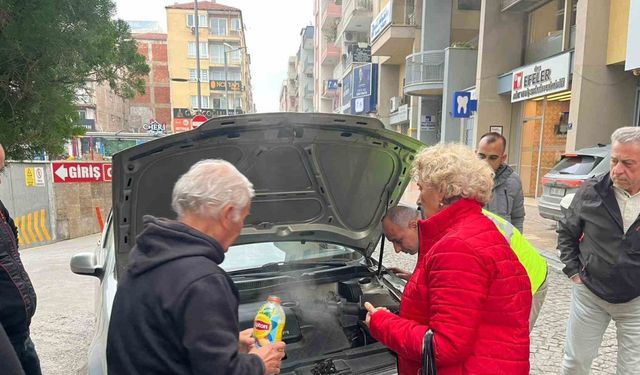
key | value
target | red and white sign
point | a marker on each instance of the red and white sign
(181, 125)
(106, 172)
(81, 172)
(198, 120)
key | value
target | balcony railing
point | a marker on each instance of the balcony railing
(425, 68)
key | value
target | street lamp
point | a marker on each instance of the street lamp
(226, 81)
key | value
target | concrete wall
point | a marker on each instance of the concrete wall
(594, 82)
(618, 27)
(460, 74)
(436, 25)
(501, 33)
(54, 211)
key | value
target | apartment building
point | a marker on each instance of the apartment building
(151, 112)
(224, 81)
(289, 90)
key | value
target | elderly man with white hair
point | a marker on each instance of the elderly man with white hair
(176, 310)
(599, 243)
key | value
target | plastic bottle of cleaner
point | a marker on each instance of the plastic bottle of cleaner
(269, 322)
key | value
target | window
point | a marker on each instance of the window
(204, 75)
(204, 99)
(202, 20)
(217, 53)
(233, 74)
(218, 26)
(576, 165)
(235, 24)
(204, 50)
(82, 114)
(218, 103)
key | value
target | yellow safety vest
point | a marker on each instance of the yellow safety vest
(533, 262)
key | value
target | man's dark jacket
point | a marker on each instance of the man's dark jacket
(175, 310)
(507, 198)
(607, 259)
(17, 296)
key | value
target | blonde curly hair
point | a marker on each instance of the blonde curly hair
(455, 170)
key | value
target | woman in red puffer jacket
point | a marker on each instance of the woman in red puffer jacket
(468, 285)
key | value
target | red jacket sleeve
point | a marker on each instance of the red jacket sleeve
(458, 283)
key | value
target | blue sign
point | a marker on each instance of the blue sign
(332, 84)
(381, 21)
(346, 89)
(362, 81)
(462, 105)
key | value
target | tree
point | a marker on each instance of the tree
(49, 49)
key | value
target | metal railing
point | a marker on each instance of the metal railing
(425, 67)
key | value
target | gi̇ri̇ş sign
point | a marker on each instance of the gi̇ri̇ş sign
(542, 78)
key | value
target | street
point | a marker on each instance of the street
(63, 325)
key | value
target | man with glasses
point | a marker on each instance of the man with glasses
(507, 199)
(17, 296)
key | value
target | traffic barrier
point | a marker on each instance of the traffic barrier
(32, 228)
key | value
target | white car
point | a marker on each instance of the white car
(323, 183)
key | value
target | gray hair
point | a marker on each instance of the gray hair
(208, 186)
(402, 215)
(626, 134)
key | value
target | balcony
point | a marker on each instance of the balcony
(425, 73)
(393, 36)
(308, 67)
(331, 13)
(330, 55)
(356, 15)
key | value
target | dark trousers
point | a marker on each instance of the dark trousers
(28, 357)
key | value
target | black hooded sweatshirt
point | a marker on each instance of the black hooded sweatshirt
(175, 310)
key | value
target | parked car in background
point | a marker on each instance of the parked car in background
(323, 183)
(568, 175)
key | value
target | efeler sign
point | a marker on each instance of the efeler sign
(542, 78)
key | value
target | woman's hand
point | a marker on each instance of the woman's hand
(372, 310)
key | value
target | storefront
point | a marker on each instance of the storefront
(541, 99)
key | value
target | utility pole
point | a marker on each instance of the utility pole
(197, 23)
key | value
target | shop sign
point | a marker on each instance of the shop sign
(362, 81)
(360, 55)
(633, 47)
(218, 85)
(540, 79)
(155, 128)
(428, 123)
(381, 20)
(181, 125)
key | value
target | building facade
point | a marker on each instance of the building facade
(304, 70)
(151, 112)
(225, 77)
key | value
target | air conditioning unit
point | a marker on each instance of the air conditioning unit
(396, 102)
(349, 36)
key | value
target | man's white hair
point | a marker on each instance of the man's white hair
(208, 186)
(626, 134)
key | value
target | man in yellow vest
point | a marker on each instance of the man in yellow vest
(400, 226)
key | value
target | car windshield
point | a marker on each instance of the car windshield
(254, 255)
(576, 165)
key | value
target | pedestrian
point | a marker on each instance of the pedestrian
(17, 296)
(599, 244)
(400, 226)
(468, 286)
(507, 198)
(175, 310)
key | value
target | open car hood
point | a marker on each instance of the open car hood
(317, 177)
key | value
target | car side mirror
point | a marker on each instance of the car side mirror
(85, 264)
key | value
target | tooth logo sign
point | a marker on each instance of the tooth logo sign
(462, 104)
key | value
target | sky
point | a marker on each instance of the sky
(270, 40)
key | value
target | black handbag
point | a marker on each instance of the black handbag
(428, 355)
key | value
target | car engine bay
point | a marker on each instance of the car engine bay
(325, 323)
